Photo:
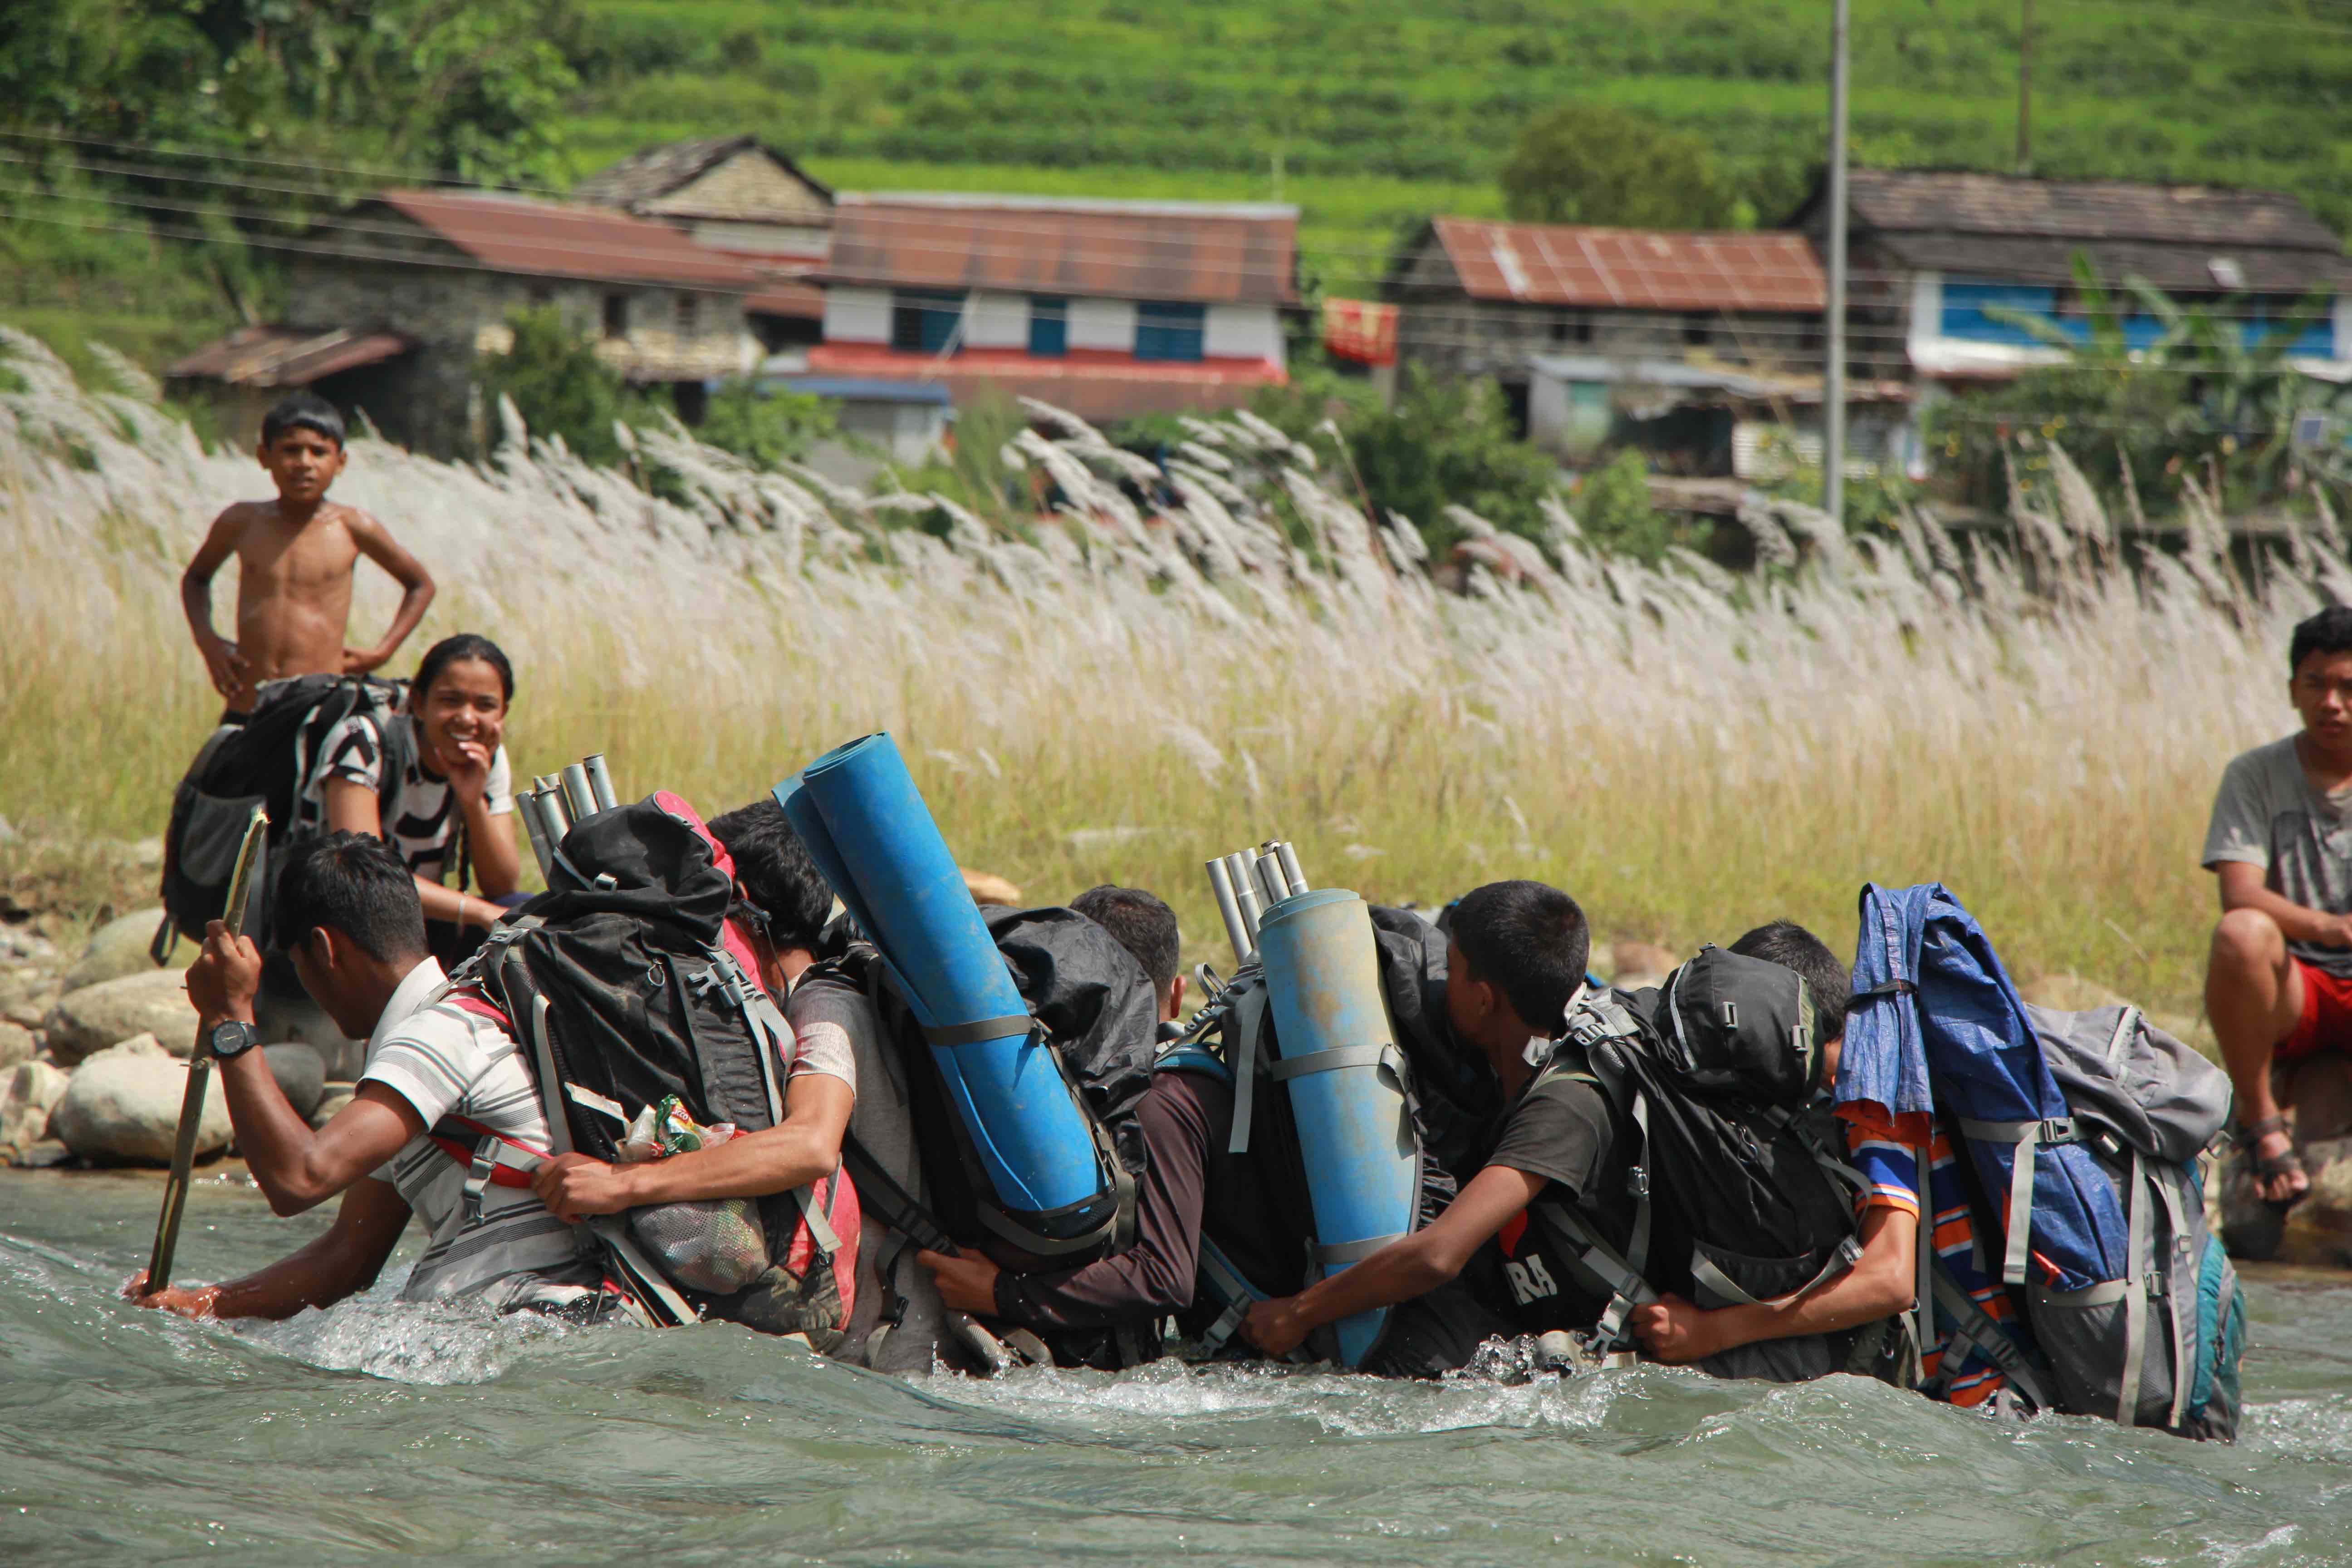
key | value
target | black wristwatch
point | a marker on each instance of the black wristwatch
(233, 1037)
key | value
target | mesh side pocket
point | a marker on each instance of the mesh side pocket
(718, 1246)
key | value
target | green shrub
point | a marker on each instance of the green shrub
(558, 384)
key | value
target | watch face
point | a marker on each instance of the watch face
(233, 1037)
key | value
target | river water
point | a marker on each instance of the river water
(378, 1431)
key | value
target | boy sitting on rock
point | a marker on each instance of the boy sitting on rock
(295, 557)
(2279, 985)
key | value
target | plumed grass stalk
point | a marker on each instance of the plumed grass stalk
(1115, 694)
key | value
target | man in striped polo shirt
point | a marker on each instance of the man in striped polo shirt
(347, 912)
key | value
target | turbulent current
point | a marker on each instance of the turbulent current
(378, 1430)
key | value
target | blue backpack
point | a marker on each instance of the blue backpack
(2082, 1131)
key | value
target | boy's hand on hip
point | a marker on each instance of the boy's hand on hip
(225, 976)
(227, 664)
(967, 1283)
(361, 661)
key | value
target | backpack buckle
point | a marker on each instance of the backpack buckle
(1637, 1182)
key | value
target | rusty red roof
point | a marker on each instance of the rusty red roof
(287, 356)
(1631, 269)
(1205, 252)
(516, 233)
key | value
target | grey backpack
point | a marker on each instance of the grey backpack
(2160, 1347)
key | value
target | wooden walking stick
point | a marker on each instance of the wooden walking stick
(200, 1072)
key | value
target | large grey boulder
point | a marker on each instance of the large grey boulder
(29, 1093)
(94, 1017)
(122, 1108)
(301, 1075)
(120, 947)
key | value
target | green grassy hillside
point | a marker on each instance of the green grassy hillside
(1377, 111)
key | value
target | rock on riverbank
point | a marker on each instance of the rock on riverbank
(122, 1107)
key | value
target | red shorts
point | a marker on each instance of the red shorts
(2326, 1020)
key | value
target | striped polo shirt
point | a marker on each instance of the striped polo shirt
(449, 1063)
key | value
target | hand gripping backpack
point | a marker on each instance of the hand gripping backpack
(2082, 1132)
(626, 985)
(1717, 1071)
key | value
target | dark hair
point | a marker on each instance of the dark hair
(301, 411)
(787, 897)
(2330, 631)
(1791, 946)
(353, 883)
(453, 651)
(1527, 941)
(1144, 925)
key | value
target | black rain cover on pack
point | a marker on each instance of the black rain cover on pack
(1098, 1011)
(1725, 1061)
(269, 761)
(635, 1011)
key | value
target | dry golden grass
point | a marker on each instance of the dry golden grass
(1111, 699)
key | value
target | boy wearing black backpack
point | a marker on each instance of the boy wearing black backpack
(1882, 1281)
(1515, 963)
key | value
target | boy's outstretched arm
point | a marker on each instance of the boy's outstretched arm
(1413, 1265)
(415, 585)
(223, 662)
(1882, 1283)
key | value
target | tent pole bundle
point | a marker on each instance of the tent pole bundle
(1248, 883)
(557, 801)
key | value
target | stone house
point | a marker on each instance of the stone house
(388, 313)
(739, 195)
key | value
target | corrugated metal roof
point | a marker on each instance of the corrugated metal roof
(1202, 252)
(287, 356)
(1632, 268)
(2011, 206)
(516, 233)
(2188, 269)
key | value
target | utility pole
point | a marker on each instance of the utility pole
(1833, 371)
(2025, 88)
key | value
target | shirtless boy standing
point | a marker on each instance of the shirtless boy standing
(295, 557)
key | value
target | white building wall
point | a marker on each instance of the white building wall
(1242, 331)
(1105, 324)
(996, 322)
(858, 315)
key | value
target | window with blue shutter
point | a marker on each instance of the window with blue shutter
(1165, 330)
(1049, 326)
(923, 320)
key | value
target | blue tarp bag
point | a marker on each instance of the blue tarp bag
(2082, 1131)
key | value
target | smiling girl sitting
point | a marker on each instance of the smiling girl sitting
(454, 799)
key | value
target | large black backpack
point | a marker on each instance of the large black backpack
(1718, 1071)
(1095, 1006)
(271, 761)
(618, 985)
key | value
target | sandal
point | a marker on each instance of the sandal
(2290, 1163)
